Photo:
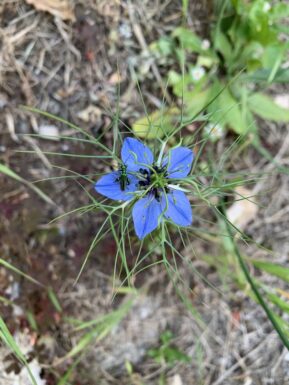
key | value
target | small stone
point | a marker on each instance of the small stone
(48, 131)
(176, 380)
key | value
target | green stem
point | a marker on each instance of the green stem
(250, 280)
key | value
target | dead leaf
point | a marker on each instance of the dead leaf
(60, 8)
(244, 210)
(115, 78)
(284, 293)
(65, 92)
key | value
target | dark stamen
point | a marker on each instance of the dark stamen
(146, 182)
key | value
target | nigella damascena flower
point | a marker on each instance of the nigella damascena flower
(151, 185)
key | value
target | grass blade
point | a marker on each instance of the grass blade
(7, 171)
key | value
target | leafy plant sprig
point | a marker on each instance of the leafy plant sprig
(246, 38)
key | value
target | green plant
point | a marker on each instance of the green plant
(243, 55)
(167, 353)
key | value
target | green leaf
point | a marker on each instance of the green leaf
(253, 129)
(172, 355)
(207, 60)
(166, 337)
(166, 352)
(272, 59)
(180, 83)
(196, 102)
(164, 46)
(223, 45)
(248, 57)
(226, 110)
(279, 11)
(174, 77)
(266, 108)
(262, 75)
(272, 53)
(157, 124)
(272, 268)
(188, 39)
(276, 300)
(232, 113)
(283, 325)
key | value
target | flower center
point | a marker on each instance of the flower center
(156, 178)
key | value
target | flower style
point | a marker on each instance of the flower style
(151, 184)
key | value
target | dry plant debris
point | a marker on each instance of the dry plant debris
(59, 8)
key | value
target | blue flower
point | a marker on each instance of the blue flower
(151, 185)
(134, 155)
(109, 186)
(162, 200)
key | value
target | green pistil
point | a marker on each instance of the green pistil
(159, 180)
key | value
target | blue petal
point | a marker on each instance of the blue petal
(135, 154)
(179, 162)
(145, 215)
(110, 187)
(176, 206)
